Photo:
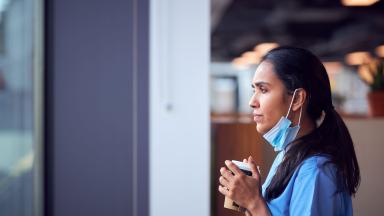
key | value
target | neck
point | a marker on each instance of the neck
(306, 126)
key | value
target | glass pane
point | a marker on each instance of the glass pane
(18, 158)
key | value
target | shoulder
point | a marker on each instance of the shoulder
(317, 166)
(318, 175)
(316, 182)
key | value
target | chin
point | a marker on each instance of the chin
(260, 129)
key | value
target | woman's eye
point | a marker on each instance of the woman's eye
(263, 90)
(259, 89)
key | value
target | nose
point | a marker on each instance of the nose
(254, 103)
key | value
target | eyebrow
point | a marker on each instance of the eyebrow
(259, 84)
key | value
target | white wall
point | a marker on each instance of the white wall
(179, 108)
(368, 138)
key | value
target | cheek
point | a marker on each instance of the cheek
(267, 123)
(273, 110)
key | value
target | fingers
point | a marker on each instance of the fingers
(254, 168)
(245, 160)
(233, 168)
(223, 190)
(224, 182)
(226, 173)
(225, 178)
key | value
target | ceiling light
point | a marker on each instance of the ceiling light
(263, 48)
(240, 63)
(380, 51)
(251, 57)
(357, 58)
(358, 2)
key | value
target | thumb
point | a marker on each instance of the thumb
(254, 168)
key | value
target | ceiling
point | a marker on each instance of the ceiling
(325, 27)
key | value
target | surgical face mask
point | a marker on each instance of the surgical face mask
(282, 134)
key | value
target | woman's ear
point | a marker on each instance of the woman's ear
(299, 99)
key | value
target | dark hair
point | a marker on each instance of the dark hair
(299, 68)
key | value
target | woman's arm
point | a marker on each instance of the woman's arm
(259, 208)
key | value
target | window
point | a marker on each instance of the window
(20, 107)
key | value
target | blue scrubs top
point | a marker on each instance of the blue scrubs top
(310, 191)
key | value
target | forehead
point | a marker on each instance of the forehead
(265, 72)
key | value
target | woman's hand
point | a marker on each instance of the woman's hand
(244, 190)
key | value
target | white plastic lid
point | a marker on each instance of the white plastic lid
(242, 165)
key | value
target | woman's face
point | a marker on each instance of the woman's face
(270, 100)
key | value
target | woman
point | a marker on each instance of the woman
(316, 170)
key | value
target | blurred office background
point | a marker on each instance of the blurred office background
(346, 35)
(130, 107)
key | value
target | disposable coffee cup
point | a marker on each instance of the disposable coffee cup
(228, 203)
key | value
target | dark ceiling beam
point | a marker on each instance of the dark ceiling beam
(327, 28)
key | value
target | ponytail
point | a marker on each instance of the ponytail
(338, 143)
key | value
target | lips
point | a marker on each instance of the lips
(257, 117)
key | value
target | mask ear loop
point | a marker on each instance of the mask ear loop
(301, 109)
(290, 106)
